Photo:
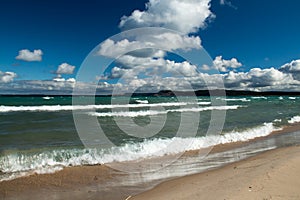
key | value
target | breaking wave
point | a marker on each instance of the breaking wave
(234, 99)
(160, 112)
(18, 164)
(55, 108)
(295, 119)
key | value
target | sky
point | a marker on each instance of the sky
(254, 44)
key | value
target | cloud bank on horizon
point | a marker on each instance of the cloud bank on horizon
(187, 18)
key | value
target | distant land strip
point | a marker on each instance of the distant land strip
(166, 93)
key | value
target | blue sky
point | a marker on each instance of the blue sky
(258, 33)
(254, 31)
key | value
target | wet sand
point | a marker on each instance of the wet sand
(271, 175)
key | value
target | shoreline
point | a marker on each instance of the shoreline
(269, 175)
(284, 130)
(82, 181)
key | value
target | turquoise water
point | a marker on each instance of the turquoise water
(38, 133)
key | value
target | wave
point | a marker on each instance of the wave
(142, 101)
(19, 164)
(159, 112)
(277, 120)
(259, 97)
(292, 98)
(55, 108)
(204, 103)
(48, 98)
(295, 119)
(235, 99)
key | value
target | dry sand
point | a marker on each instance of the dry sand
(71, 183)
(271, 175)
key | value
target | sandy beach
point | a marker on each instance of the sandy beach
(270, 175)
(70, 183)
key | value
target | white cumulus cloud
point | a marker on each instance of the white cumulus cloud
(110, 48)
(173, 41)
(65, 68)
(146, 52)
(269, 77)
(118, 72)
(185, 16)
(6, 77)
(167, 41)
(129, 67)
(224, 65)
(259, 78)
(29, 56)
(293, 66)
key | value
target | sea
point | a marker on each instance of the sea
(38, 134)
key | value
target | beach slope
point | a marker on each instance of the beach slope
(271, 175)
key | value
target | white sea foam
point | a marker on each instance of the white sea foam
(51, 161)
(277, 120)
(235, 99)
(160, 112)
(48, 98)
(295, 119)
(52, 108)
(292, 98)
(259, 97)
(128, 114)
(55, 108)
(142, 101)
(233, 107)
(242, 99)
(204, 103)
